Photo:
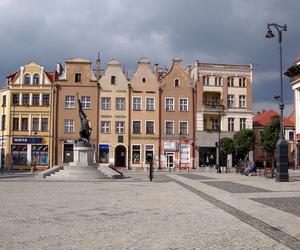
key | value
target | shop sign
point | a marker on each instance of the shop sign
(103, 147)
(27, 140)
(170, 145)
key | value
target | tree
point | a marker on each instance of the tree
(226, 147)
(270, 136)
(244, 141)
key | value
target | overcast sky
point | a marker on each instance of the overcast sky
(215, 31)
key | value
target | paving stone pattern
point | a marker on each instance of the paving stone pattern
(286, 204)
(196, 177)
(233, 187)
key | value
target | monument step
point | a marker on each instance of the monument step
(81, 168)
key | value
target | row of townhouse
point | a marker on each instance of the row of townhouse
(174, 115)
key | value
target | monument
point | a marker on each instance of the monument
(83, 149)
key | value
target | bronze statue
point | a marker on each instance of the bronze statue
(85, 130)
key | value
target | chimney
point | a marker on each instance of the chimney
(98, 66)
(59, 68)
(155, 69)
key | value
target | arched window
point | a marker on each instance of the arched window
(36, 79)
(27, 79)
(176, 83)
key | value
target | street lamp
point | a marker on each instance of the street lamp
(220, 111)
(281, 146)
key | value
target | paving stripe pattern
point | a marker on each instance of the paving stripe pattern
(274, 233)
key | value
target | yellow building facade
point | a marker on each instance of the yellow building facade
(28, 110)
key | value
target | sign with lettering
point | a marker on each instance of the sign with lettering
(28, 140)
(170, 145)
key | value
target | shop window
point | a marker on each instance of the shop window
(19, 154)
(136, 153)
(39, 154)
(103, 153)
(149, 149)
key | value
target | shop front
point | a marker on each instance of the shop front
(29, 151)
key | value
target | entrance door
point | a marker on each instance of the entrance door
(170, 160)
(68, 153)
(120, 156)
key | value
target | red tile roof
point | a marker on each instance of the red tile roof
(264, 117)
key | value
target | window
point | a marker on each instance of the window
(242, 123)
(69, 126)
(230, 124)
(230, 101)
(3, 122)
(15, 123)
(149, 152)
(105, 103)
(242, 82)
(105, 127)
(260, 136)
(86, 102)
(230, 81)
(120, 103)
(24, 124)
(169, 104)
(136, 127)
(69, 101)
(183, 104)
(35, 124)
(215, 124)
(149, 127)
(120, 127)
(150, 103)
(45, 100)
(4, 101)
(35, 99)
(103, 153)
(169, 127)
(176, 83)
(183, 128)
(36, 79)
(19, 154)
(205, 80)
(242, 101)
(218, 81)
(45, 124)
(77, 77)
(26, 79)
(143, 79)
(137, 103)
(291, 135)
(136, 153)
(25, 99)
(113, 79)
(16, 99)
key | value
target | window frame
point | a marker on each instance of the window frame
(173, 127)
(69, 104)
(70, 124)
(105, 105)
(136, 106)
(167, 105)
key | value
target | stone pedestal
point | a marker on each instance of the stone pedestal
(83, 155)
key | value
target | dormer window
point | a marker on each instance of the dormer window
(27, 79)
(176, 83)
(36, 79)
(143, 79)
(113, 80)
(77, 77)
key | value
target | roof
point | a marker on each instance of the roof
(265, 117)
(77, 60)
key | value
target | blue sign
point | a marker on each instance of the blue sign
(103, 147)
(27, 140)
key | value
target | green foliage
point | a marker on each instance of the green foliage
(270, 135)
(226, 146)
(244, 141)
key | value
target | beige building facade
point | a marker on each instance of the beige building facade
(177, 118)
(75, 80)
(144, 116)
(224, 106)
(114, 147)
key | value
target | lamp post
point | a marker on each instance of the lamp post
(220, 110)
(35, 146)
(281, 146)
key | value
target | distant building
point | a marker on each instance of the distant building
(74, 81)
(224, 106)
(177, 118)
(260, 120)
(29, 98)
(294, 73)
(114, 117)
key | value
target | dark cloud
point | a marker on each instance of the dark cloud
(231, 31)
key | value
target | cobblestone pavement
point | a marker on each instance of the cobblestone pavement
(175, 211)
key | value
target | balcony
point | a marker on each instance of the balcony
(212, 107)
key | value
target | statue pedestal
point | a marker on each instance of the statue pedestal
(83, 155)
